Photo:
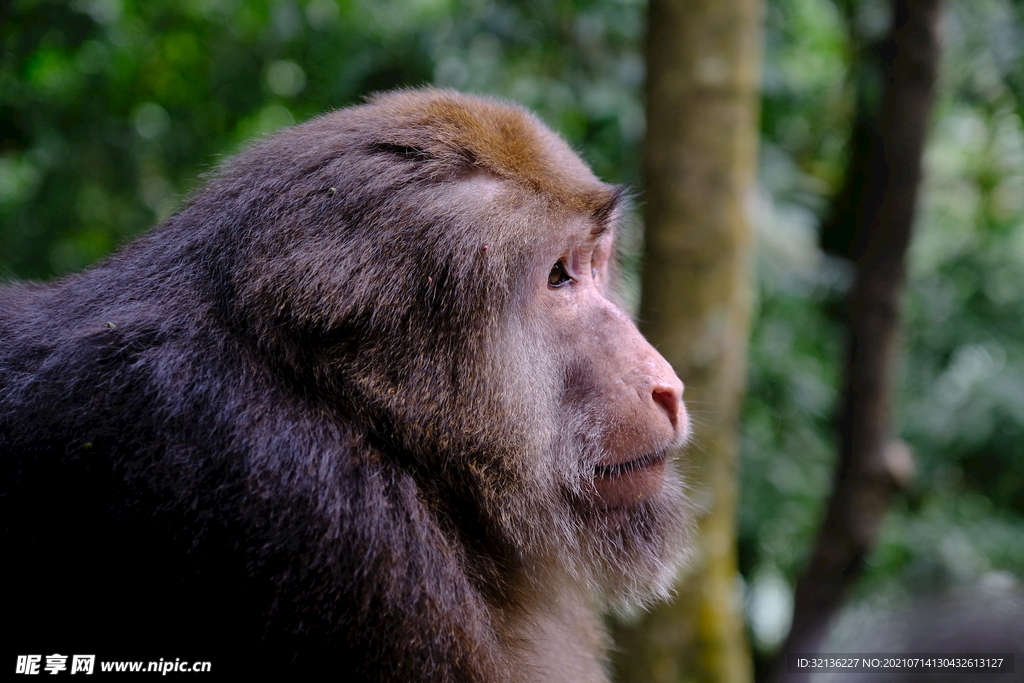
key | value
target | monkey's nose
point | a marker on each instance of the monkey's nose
(670, 399)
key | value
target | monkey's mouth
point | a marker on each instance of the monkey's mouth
(627, 484)
(623, 468)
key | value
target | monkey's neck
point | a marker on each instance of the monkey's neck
(559, 638)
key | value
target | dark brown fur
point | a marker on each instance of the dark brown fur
(334, 414)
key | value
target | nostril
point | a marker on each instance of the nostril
(668, 399)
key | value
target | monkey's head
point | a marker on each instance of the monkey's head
(438, 270)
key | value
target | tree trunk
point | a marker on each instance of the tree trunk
(873, 465)
(703, 61)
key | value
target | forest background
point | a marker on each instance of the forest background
(110, 111)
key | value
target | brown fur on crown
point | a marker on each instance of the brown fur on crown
(499, 137)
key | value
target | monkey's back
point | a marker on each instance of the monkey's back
(165, 496)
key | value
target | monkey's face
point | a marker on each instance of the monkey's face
(629, 394)
(619, 417)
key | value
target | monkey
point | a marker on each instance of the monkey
(368, 403)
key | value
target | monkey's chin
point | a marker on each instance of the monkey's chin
(636, 532)
(628, 484)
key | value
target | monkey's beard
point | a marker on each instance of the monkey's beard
(620, 557)
(628, 555)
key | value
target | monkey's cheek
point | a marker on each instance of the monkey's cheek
(630, 486)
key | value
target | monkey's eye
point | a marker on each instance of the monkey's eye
(558, 277)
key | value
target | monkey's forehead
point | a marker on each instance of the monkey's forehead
(485, 134)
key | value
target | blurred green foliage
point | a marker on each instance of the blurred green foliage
(961, 391)
(110, 110)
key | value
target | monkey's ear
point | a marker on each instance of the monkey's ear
(608, 207)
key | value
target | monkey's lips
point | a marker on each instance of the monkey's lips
(628, 483)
